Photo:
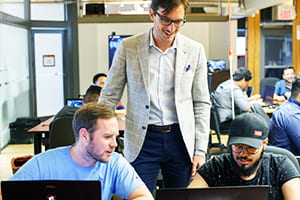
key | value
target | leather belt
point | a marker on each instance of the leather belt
(163, 129)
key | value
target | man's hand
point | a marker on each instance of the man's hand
(198, 161)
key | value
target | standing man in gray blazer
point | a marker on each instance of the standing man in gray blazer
(168, 103)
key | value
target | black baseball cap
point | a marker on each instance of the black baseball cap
(249, 129)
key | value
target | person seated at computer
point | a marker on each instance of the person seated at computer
(222, 97)
(99, 79)
(284, 86)
(248, 164)
(92, 157)
(91, 95)
(285, 120)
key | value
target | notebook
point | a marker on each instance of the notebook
(74, 102)
(215, 193)
(51, 190)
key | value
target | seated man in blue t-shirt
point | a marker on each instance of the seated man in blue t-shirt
(284, 86)
(92, 157)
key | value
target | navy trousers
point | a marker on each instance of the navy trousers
(164, 151)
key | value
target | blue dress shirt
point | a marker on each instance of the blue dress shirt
(285, 126)
(281, 88)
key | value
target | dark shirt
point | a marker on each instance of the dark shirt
(66, 111)
(284, 128)
(274, 171)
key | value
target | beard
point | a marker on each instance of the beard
(243, 170)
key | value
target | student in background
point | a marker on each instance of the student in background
(222, 97)
(91, 95)
(92, 157)
(285, 122)
(248, 164)
(284, 86)
(99, 79)
(168, 106)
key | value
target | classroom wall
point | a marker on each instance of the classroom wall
(93, 43)
(14, 78)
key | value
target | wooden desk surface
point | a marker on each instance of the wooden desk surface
(38, 131)
(269, 110)
(42, 127)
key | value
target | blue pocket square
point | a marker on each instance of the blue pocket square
(187, 68)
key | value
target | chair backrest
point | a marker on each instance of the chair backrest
(61, 132)
(215, 130)
(268, 81)
(285, 152)
(218, 77)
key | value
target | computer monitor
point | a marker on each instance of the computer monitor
(74, 102)
(113, 43)
(51, 190)
(216, 65)
(215, 193)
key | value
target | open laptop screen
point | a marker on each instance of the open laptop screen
(249, 91)
(215, 193)
(74, 102)
(51, 190)
(268, 94)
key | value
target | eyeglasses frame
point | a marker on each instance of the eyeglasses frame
(246, 148)
(170, 21)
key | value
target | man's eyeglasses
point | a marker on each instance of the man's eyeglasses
(167, 21)
(238, 148)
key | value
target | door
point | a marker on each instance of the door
(48, 65)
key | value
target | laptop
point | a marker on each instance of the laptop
(74, 102)
(249, 91)
(215, 193)
(268, 94)
(51, 190)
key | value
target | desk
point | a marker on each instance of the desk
(38, 131)
(270, 109)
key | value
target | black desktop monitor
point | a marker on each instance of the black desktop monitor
(113, 43)
(215, 193)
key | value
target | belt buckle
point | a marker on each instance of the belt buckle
(168, 129)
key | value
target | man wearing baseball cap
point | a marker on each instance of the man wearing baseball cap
(248, 164)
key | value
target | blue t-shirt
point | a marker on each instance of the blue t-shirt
(281, 88)
(284, 128)
(116, 176)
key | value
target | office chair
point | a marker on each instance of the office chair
(268, 81)
(285, 152)
(61, 132)
(215, 130)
